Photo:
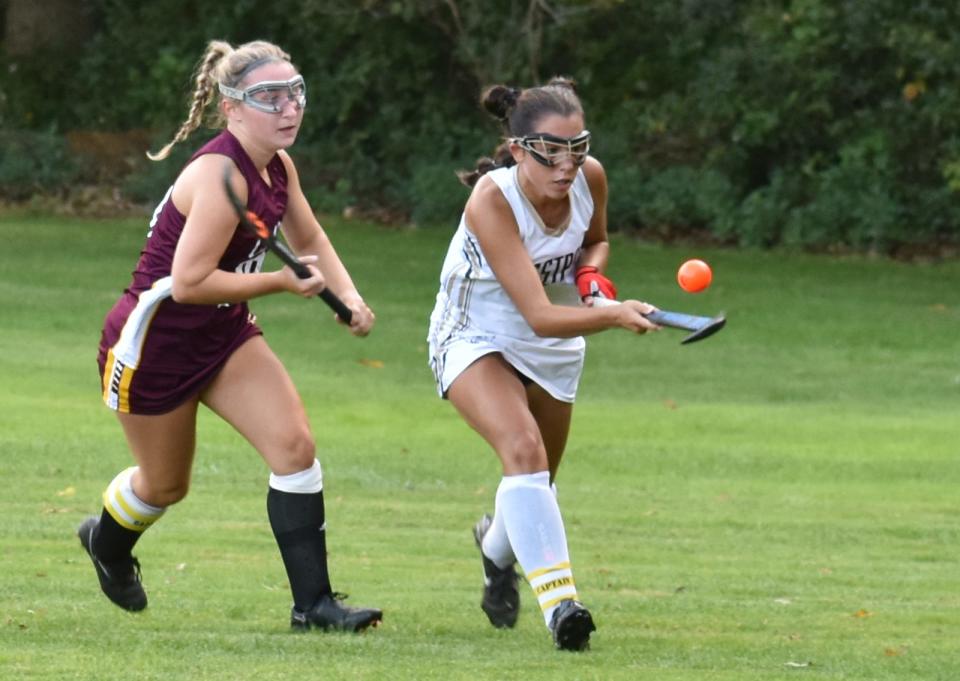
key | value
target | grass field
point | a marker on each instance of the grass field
(778, 502)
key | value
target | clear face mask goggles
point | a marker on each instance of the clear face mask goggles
(270, 96)
(549, 150)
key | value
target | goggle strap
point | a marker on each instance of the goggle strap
(231, 92)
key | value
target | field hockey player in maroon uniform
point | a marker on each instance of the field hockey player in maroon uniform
(181, 335)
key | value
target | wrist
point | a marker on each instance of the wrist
(352, 297)
(587, 269)
(278, 282)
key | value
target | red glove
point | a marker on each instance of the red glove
(591, 283)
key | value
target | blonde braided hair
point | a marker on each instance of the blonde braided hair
(221, 63)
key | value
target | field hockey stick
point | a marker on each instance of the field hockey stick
(702, 327)
(252, 222)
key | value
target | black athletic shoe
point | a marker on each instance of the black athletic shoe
(120, 580)
(330, 613)
(501, 598)
(571, 625)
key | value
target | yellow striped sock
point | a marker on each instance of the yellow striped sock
(124, 506)
(552, 585)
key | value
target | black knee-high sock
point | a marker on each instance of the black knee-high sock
(111, 540)
(297, 522)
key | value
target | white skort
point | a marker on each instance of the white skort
(555, 364)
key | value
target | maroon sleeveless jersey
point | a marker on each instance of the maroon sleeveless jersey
(156, 353)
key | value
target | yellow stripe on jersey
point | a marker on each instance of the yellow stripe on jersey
(123, 358)
(124, 396)
(134, 333)
(105, 379)
(116, 384)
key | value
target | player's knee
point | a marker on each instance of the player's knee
(299, 449)
(164, 493)
(523, 452)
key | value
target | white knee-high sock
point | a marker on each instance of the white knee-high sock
(535, 528)
(496, 542)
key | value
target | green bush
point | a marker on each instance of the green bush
(807, 123)
(437, 195)
(674, 201)
(853, 201)
(760, 218)
(332, 200)
(150, 181)
(34, 162)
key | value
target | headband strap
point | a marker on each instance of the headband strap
(255, 64)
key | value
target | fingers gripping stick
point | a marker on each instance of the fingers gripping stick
(702, 327)
(252, 222)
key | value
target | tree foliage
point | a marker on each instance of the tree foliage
(757, 122)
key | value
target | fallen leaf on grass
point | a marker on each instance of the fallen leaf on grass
(895, 652)
(67, 491)
(372, 363)
(862, 614)
(53, 509)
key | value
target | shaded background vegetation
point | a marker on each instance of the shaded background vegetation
(770, 123)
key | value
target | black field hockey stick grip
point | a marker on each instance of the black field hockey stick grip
(329, 297)
(250, 221)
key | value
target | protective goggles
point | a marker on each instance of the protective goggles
(551, 150)
(270, 96)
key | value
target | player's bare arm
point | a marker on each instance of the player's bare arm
(307, 237)
(596, 248)
(209, 227)
(491, 221)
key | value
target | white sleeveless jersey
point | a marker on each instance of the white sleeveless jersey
(472, 304)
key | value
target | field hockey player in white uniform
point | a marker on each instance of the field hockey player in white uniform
(505, 338)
